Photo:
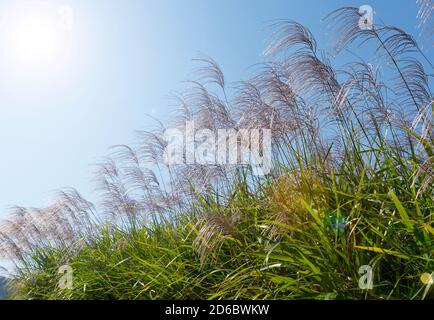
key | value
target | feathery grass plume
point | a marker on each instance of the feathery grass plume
(426, 23)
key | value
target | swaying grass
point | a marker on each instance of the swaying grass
(351, 186)
(275, 243)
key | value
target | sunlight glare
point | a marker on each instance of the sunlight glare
(35, 40)
(38, 48)
(37, 35)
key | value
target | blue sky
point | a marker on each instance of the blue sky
(118, 62)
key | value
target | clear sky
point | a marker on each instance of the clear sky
(105, 64)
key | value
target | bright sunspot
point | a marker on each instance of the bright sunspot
(37, 52)
(36, 35)
(35, 39)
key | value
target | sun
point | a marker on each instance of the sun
(34, 39)
(40, 48)
(35, 35)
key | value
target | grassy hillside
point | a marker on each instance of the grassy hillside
(278, 243)
(350, 189)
